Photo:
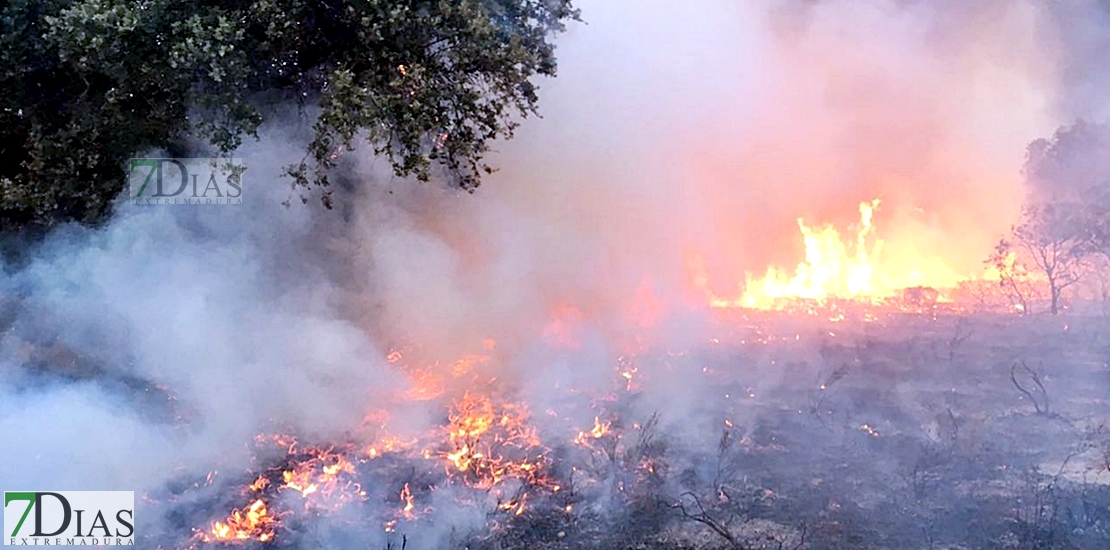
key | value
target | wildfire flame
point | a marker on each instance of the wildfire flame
(486, 445)
(490, 443)
(487, 439)
(516, 507)
(853, 268)
(597, 432)
(406, 497)
(251, 523)
(325, 473)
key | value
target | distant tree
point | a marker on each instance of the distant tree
(1096, 210)
(84, 84)
(1055, 238)
(1065, 225)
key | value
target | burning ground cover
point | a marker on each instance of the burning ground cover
(882, 419)
(896, 430)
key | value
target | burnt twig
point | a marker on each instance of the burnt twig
(703, 517)
(1038, 395)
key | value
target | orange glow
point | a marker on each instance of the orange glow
(431, 380)
(564, 329)
(389, 444)
(426, 385)
(646, 309)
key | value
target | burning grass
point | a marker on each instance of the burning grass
(858, 270)
(909, 428)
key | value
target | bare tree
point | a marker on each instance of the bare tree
(1036, 393)
(1054, 237)
(1013, 277)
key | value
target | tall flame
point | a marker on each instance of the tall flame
(855, 268)
(832, 267)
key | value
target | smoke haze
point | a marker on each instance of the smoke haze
(671, 130)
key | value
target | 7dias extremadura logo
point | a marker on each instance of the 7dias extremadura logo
(73, 518)
(186, 181)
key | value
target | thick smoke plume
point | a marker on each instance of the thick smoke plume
(704, 129)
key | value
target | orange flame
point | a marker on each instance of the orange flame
(259, 484)
(834, 267)
(326, 474)
(484, 443)
(490, 443)
(597, 432)
(406, 497)
(251, 523)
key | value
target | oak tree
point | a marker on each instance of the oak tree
(84, 84)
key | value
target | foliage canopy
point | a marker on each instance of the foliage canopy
(85, 84)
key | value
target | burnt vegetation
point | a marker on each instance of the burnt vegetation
(910, 447)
